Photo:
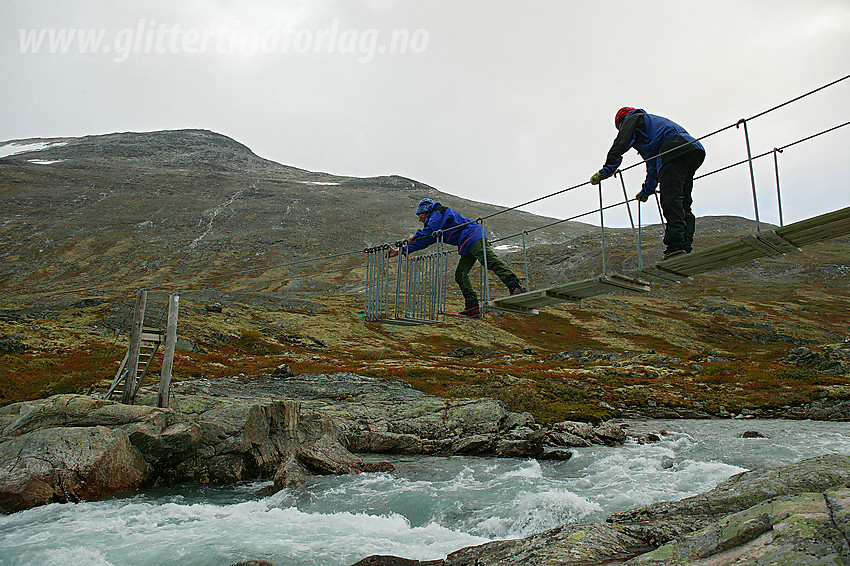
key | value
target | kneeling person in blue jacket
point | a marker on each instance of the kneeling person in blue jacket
(471, 241)
(672, 157)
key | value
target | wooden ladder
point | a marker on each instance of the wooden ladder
(151, 339)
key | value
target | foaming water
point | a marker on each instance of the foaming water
(144, 533)
(425, 509)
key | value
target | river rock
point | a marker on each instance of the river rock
(229, 430)
(559, 454)
(378, 416)
(67, 464)
(395, 561)
(573, 543)
(73, 447)
(795, 529)
(282, 371)
(661, 522)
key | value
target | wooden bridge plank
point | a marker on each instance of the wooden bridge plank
(513, 308)
(817, 228)
(718, 257)
(529, 300)
(835, 225)
(570, 292)
(654, 274)
(777, 242)
(818, 234)
(755, 242)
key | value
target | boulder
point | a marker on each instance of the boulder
(67, 464)
(661, 522)
(559, 454)
(395, 561)
(73, 447)
(505, 448)
(282, 371)
(791, 529)
(573, 543)
(229, 430)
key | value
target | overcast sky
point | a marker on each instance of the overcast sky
(498, 101)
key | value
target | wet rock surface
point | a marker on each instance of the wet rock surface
(74, 447)
(285, 427)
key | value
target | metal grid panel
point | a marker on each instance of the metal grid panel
(406, 291)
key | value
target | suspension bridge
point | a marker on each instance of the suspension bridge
(773, 243)
(412, 291)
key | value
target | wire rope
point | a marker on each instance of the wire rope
(183, 283)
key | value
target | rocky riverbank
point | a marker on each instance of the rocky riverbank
(798, 514)
(75, 447)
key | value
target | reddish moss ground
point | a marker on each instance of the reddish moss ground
(728, 335)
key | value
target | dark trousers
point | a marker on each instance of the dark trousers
(494, 263)
(677, 182)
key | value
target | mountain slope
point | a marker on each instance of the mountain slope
(127, 210)
(87, 221)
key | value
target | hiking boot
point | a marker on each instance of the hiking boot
(471, 312)
(674, 253)
(518, 290)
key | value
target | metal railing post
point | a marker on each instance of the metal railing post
(385, 279)
(381, 285)
(442, 268)
(640, 224)
(752, 175)
(368, 293)
(525, 261)
(486, 279)
(660, 213)
(408, 275)
(414, 285)
(602, 226)
(631, 220)
(401, 252)
(445, 272)
(778, 193)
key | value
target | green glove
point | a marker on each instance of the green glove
(642, 197)
(595, 178)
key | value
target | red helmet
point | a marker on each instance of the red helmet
(621, 113)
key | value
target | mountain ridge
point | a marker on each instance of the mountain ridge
(79, 237)
(189, 199)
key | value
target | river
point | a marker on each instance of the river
(426, 508)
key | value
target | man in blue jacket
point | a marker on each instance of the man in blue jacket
(672, 157)
(471, 241)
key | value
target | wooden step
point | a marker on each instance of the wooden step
(570, 292)
(817, 229)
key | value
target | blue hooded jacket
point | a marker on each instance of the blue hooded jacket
(648, 140)
(457, 229)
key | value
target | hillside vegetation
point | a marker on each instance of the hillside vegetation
(175, 211)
